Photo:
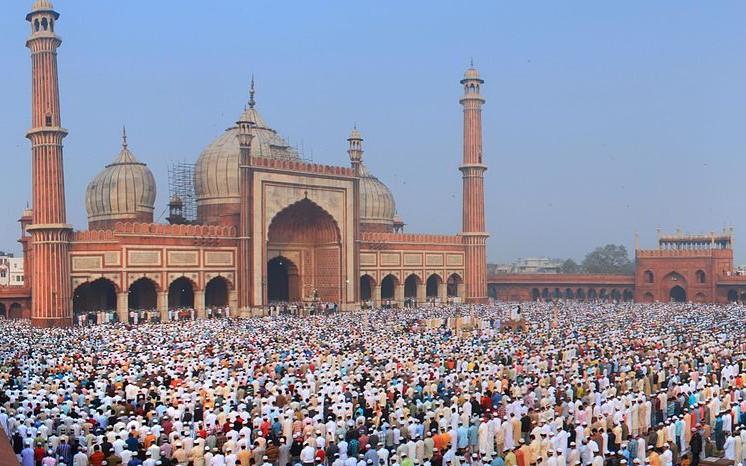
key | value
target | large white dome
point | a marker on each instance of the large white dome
(216, 170)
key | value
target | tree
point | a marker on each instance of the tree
(611, 259)
(570, 266)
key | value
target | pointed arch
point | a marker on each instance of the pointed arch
(143, 294)
(217, 291)
(367, 284)
(410, 285)
(432, 286)
(388, 286)
(454, 285)
(96, 295)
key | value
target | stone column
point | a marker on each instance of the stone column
(421, 293)
(163, 305)
(122, 306)
(376, 295)
(233, 303)
(199, 304)
(399, 294)
(443, 292)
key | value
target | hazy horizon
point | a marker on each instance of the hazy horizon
(601, 120)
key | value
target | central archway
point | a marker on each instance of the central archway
(306, 236)
(677, 294)
(282, 280)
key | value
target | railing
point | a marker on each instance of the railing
(377, 236)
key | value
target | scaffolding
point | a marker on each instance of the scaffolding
(181, 188)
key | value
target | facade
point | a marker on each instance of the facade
(683, 268)
(270, 226)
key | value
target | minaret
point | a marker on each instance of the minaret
(246, 265)
(355, 149)
(50, 234)
(472, 170)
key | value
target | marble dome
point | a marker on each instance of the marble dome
(123, 191)
(216, 171)
(377, 205)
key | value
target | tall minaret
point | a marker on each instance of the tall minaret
(355, 150)
(472, 170)
(50, 234)
(245, 188)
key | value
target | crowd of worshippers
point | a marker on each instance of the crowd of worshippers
(141, 316)
(581, 385)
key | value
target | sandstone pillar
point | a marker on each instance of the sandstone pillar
(421, 293)
(399, 294)
(163, 305)
(199, 304)
(443, 292)
(122, 306)
(376, 295)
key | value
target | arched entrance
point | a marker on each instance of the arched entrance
(454, 285)
(143, 295)
(98, 295)
(282, 280)
(3, 311)
(732, 296)
(310, 236)
(216, 292)
(388, 287)
(15, 311)
(535, 294)
(580, 294)
(677, 294)
(366, 288)
(181, 293)
(410, 289)
(432, 286)
(648, 297)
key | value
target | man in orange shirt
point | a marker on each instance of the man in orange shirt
(522, 454)
(97, 457)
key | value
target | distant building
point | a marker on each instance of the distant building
(536, 265)
(11, 270)
(527, 265)
(684, 267)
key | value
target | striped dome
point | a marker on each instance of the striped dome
(124, 191)
(216, 170)
(377, 203)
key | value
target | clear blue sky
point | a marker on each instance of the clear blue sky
(602, 118)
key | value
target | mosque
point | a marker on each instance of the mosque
(269, 226)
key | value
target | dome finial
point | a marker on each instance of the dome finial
(124, 137)
(252, 102)
(471, 62)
